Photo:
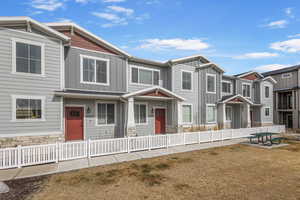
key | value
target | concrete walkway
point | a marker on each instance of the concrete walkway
(65, 166)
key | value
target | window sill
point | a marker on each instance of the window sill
(28, 120)
(141, 124)
(185, 90)
(29, 74)
(105, 125)
(211, 92)
(92, 83)
(142, 84)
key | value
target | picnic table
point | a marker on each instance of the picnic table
(265, 137)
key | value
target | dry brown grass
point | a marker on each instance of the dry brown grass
(233, 172)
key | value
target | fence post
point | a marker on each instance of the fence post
(89, 148)
(149, 142)
(56, 152)
(128, 144)
(167, 141)
(222, 135)
(19, 156)
(211, 136)
(183, 138)
(199, 137)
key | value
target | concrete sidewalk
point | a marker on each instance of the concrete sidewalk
(65, 166)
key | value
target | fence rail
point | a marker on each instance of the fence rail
(49, 153)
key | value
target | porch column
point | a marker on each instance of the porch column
(247, 120)
(222, 115)
(179, 116)
(131, 129)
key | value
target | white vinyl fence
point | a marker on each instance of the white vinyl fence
(49, 153)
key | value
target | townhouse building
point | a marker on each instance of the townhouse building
(286, 96)
(60, 82)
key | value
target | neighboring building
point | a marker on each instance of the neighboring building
(286, 96)
(61, 82)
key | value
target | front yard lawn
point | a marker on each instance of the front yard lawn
(233, 172)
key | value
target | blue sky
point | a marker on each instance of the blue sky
(238, 35)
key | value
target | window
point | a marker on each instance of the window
(246, 90)
(210, 83)
(140, 113)
(94, 70)
(28, 57)
(186, 78)
(228, 111)
(267, 112)
(211, 114)
(106, 113)
(226, 87)
(28, 108)
(144, 76)
(267, 91)
(187, 114)
(286, 75)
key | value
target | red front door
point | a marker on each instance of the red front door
(74, 123)
(160, 121)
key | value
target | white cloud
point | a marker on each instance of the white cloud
(277, 24)
(49, 5)
(120, 9)
(63, 20)
(289, 12)
(294, 36)
(113, 1)
(291, 46)
(271, 67)
(113, 18)
(175, 43)
(82, 1)
(256, 55)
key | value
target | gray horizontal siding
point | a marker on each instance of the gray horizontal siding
(16, 84)
(117, 76)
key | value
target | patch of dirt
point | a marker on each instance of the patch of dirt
(22, 189)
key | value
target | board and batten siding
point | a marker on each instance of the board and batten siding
(266, 102)
(208, 98)
(30, 85)
(191, 97)
(117, 71)
(164, 76)
(284, 83)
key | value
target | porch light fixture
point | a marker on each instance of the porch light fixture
(88, 110)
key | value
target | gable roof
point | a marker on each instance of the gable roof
(15, 21)
(249, 73)
(189, 58)
(86, 33)
(283, 70)
(155, 88)
(226, 99)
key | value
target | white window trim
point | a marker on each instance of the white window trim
(289, 75)
(211, 105)
(95, 58)
(14, 103)
(269, 111)
(192, 80)
(215, 86)
(141, 103)
(96, 113)
(269, 91)
(250, 89)
(14, 57)
(231, 88)
(144, 68)
(192, 117)
(226, 114)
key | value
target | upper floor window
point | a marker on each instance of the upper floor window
(286, 75)
(227, 87)
(246, 89)
(210, 83)
(28, 108)
(186, 78)
(28, 57)
(267, 112)
(106, 113)
(267, 91)
(140, 113)
(187, 114)
(144, 76)
(94, 70)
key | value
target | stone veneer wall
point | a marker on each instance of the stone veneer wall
(30, 140)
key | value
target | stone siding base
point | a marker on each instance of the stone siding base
(30, 140)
